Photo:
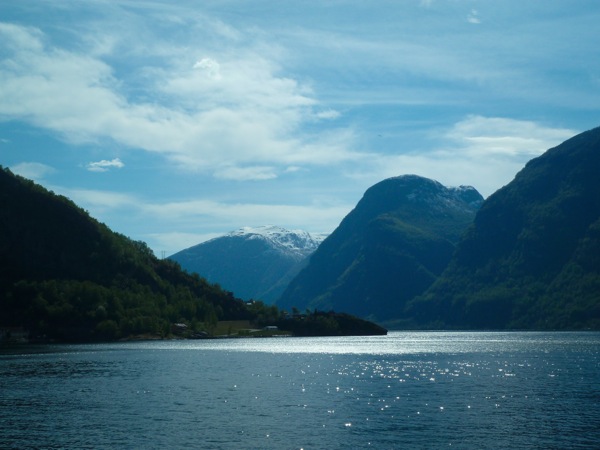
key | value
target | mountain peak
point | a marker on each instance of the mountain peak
(417, 189)
(413, 197)
(290, 240)
(390, 247)
(253, 262)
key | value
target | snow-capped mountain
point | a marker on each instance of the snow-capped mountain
(252, 262)
(296, 242)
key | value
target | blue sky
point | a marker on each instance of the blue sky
(173, 124)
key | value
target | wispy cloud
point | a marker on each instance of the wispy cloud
(209, 67)
(172, 242)
(99, 201)
(105, 165)
(180, 220)
(307, 216)
(32, 170)
(473, 17)
(246, 173)
(328, 114)
(485, 152)
(236, 107)
(480, 136)
(251, 113)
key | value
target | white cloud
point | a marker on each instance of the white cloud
(171, 243)
(183, 219)
(238, 108)
(32, 170)
(503, 137)
(327, 114)
(100, 201)
(246, 173)
(21, 38)
(306, 216)
(210, 67)
(485, 152)
(105, 165)
(360, 59)
(473, 17)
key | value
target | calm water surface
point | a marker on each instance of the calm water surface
(405, 390)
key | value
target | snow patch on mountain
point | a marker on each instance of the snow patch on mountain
(438, 196)
(298, 241)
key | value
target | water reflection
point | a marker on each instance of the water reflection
(404, 390)
(395, 343)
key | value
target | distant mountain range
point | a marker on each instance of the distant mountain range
(414, 254)
(390, 248)
(255, 263)
(411, 254)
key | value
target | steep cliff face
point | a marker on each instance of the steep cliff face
(532, 257)
(254, 263)
(391, 247)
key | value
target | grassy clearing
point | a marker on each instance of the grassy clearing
(231, 327)
(244, 328)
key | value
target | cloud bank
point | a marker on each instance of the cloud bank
(181, 220)
(228, 114)
(236, 107)
(485, 152)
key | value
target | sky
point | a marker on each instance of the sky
(176, 122)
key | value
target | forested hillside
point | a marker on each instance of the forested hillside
(532, 257)
(390, 248)
(67, 276)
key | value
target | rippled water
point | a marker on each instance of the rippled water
(404, 390)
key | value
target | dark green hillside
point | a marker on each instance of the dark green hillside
(67, 276)
(391, 247)
(532, 257)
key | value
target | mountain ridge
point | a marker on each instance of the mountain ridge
(401, 233)
(254, 262)
(64, 276)
(299, 241)
(531, 259)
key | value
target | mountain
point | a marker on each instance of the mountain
(255, 263)
(390, 248)
(531, 259)
(67, 276)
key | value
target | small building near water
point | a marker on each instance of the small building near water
(14, 334)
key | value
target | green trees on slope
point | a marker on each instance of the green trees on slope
(531, 259)
(67, 276)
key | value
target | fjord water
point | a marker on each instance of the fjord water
(404, 390)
